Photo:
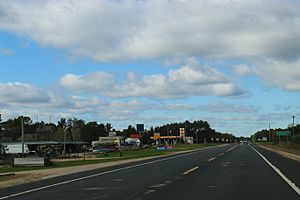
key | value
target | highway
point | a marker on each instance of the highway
(233, 172)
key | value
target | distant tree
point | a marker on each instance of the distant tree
(62, 122)
(1, 128)
(108, 127)
(12, 127)
(128, 131)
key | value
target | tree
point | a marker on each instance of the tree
(108, 127)
(1, 128)
(128, 131)
(62, 122)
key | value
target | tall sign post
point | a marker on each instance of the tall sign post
(181, 133)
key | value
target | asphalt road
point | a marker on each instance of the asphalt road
(228, 172)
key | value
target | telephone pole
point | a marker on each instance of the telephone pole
(293, 125)
(22, 136)
(269, 132)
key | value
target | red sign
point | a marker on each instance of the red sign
(135, 136)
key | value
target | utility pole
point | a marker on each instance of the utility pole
(269, 132)
(65, 138)
(293, 125)
(22, 136)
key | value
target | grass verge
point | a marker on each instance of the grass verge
(289, 148)
(110, 157)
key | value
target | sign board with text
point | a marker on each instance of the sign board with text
(283, 133)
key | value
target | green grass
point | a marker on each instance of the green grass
(109, 157)
(290, 148)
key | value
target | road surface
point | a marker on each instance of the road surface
(230, 172)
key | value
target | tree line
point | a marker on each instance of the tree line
(271, 134)
(91, 131)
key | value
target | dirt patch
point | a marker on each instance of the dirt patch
(17, 179)
(282, 153)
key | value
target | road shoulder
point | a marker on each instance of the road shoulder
(282, 153)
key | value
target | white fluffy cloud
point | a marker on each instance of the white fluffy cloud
(109, 30)
(178, 83)
(22, 93)
(282, 74)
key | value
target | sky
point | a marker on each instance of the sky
(235, 64)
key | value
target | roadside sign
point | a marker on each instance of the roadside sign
(156, 136)
(283, 133)
(112, 134)
(181, 131)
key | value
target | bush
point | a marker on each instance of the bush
(296, 139)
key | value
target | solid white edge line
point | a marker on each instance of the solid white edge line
(102, 173)
(288, 181)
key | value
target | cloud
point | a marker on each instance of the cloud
(219, 107)
(274, 73)
(285, 75)
(177, 83)
(120, 30)
(22, 93)
(90, 82)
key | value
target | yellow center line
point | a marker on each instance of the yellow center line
(191, 170)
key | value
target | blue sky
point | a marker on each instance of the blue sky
(235, 64)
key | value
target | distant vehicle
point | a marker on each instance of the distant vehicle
(16, 149)
(246, 141)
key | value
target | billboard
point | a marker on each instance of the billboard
(140, 128)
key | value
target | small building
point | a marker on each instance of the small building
(117, 140)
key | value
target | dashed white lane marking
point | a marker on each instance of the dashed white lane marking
(157, 185)
(220, 154)
(149, 191)
(288, 181)
(231, 148)
(191, 170)
(211, 159)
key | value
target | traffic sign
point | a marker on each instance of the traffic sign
(283, 133)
